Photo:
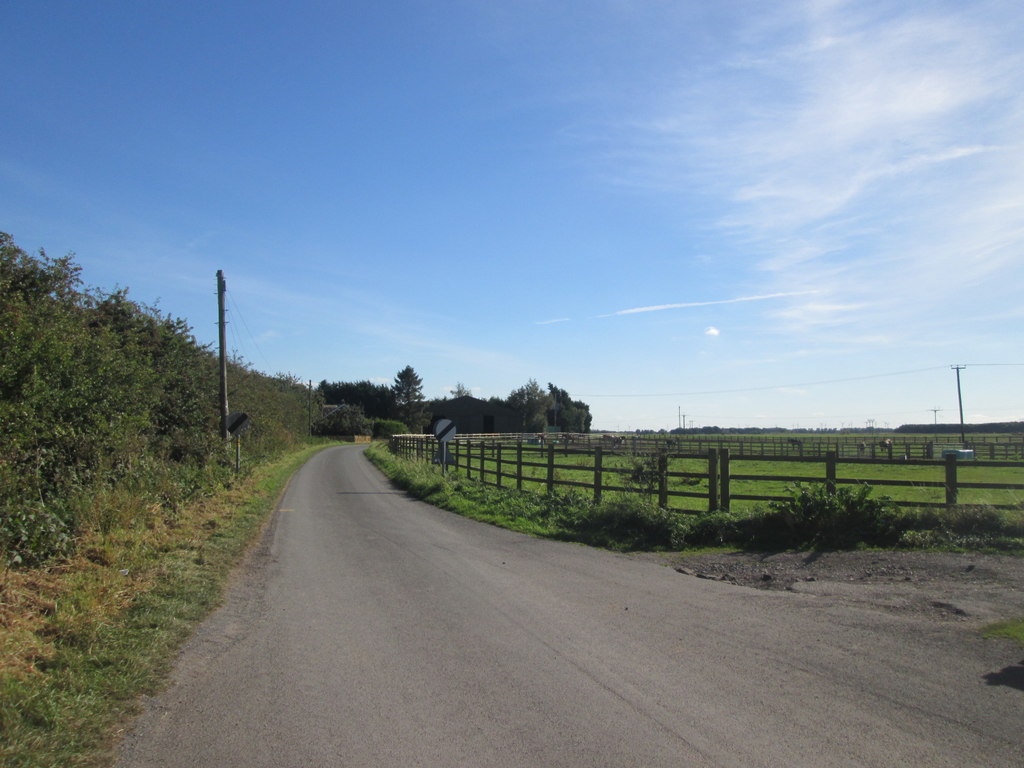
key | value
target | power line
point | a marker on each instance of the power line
(777, 386)
(237, 310)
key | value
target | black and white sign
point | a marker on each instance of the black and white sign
(237, 423)
(443, 429)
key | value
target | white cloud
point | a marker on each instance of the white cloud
(550, 322)
(712, 331)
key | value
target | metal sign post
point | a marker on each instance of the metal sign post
(236, 424)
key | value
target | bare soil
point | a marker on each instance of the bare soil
(971, 588)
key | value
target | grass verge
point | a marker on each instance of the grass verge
(622, 521)
(81, 641)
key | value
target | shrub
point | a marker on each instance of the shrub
(625, 522)
(720, 528)
(814, 516)
(31, 536)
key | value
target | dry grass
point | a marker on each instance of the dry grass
(81, 639)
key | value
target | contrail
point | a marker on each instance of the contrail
(659, 307)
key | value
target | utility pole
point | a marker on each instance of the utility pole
(679, 408)
(935, 413)
(309, 407)
(960, 400)
(221, 288)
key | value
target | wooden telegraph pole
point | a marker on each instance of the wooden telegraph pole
(960, 401)
(221, 288)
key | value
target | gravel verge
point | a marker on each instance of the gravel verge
(973, 589)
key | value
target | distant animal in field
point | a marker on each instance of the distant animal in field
(862, 446)
(887, 444)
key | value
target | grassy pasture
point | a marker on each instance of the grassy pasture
(761, 477)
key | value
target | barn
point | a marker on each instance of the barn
(473, 416)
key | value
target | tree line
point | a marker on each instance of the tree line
(101, 395)
(365, 407)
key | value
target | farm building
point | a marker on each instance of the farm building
(473, 416)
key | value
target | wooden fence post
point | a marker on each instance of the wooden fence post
(497, 479)
(830, 472)
(951, 489)
(551, 468)
(712, 479)
(663, 480)
(598, 469)
(723, 469)
(519, 465)
(483, 454)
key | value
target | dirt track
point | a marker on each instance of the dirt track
(975, 589)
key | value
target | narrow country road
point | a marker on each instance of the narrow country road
(372, 630)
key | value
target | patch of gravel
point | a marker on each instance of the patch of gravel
(974, 589)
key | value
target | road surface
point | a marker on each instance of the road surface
(369, 629)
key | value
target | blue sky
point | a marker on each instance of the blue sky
(787, 213)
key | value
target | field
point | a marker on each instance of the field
(736, 472)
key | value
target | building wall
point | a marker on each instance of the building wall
(473, 416)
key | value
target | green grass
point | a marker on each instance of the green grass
(622, 521)
(1012, 629)
(75, 675)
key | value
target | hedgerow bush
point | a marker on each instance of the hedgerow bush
(100, 392)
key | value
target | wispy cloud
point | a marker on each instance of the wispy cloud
(660, 307)
(551, 322)
(871, 151)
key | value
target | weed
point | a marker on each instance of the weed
(1012, 629)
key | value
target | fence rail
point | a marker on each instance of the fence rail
(717, 476)
(860, 446)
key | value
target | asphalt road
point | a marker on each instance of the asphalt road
(372, 630)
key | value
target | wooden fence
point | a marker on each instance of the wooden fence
(712, 479)
(859, 446)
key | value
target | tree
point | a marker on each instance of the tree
(344, 420)
(532, 403)
(408, 389)
(567, 414)
(461, 390)
(376, 400)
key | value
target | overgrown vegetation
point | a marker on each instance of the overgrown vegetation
(108, 410)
